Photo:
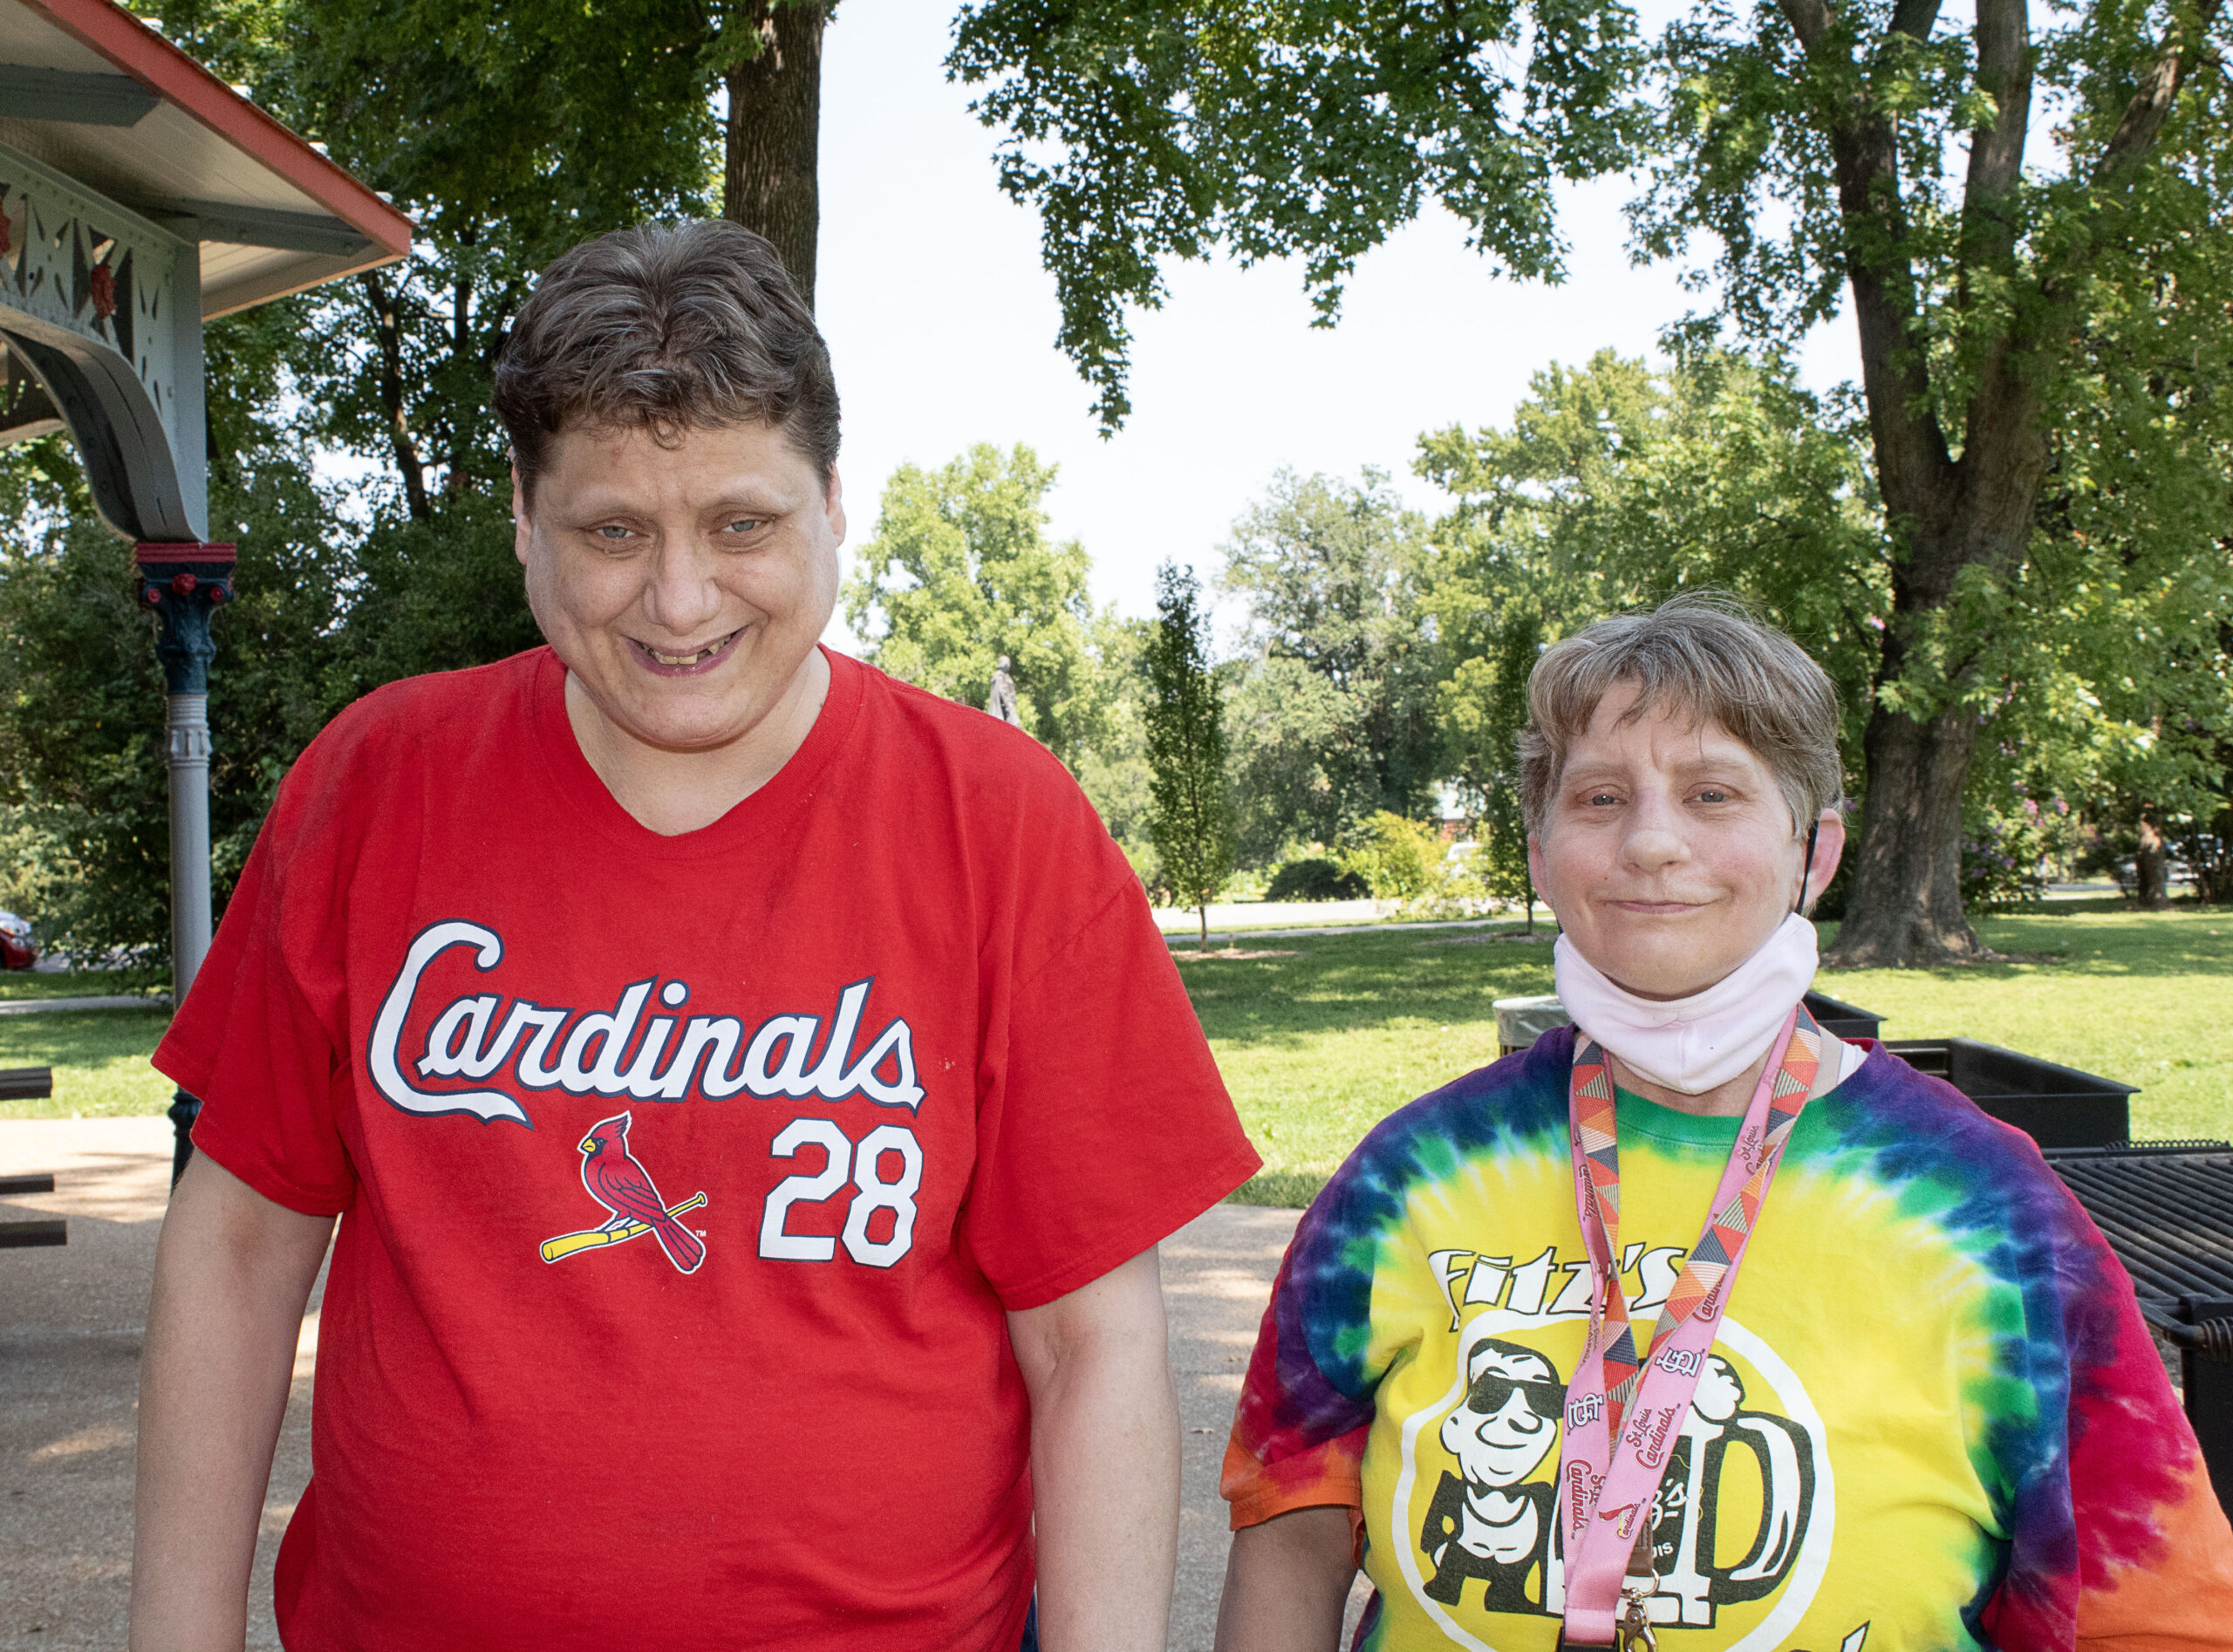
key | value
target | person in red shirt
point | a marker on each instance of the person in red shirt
(751, 1090)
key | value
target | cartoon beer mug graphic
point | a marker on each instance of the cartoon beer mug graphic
(1731, 1472)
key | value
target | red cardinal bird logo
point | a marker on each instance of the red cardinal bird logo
(623, 1186)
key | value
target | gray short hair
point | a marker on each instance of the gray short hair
(1704, 653)
(667, 328)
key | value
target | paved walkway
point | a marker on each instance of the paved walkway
(107, 1000)
(70, 1322)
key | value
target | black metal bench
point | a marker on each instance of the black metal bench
(26, 1083)
(17, 1235)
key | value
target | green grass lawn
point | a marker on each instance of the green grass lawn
(84, 983)
(1319, 1045)
(100, 1059)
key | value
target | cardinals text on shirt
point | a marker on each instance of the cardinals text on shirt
(638, 1048)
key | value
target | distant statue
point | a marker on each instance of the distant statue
(1002, 701)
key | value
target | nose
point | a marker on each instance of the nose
(681, 595)
(1655, 840)
(1516, 1416)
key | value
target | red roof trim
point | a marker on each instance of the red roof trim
(161, 67)
(147, 551)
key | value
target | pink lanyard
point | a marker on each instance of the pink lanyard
(1617, 1483)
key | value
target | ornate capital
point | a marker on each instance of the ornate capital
(183, 584)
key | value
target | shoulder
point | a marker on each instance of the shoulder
(1985, 1182)
(458, 708)
(1919, 1125)
(399, 736)
(935, 726)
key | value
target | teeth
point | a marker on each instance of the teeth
(706, 652)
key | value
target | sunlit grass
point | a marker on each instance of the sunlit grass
(100, 1059)
(1318, 1047)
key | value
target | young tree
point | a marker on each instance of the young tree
(1998, 282)
(1333, 719)
(1192, 815)
(1484, 704)
(960, 571)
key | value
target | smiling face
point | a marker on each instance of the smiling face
(1509, 1421)
(1667, 849)
(684, 587)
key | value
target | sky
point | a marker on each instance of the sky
(942, 326)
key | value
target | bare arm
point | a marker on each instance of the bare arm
(1287, 1582)
(1104, 1460)
(232, 1273)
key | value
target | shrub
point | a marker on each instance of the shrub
(1315, 878)
(1401, 859)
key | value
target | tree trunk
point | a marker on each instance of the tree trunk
(387, 332)
(1905, 905)
(2151, 866)
(775, 135)
(1203, 913)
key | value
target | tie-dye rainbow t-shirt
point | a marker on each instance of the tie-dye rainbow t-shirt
(1933, 1417)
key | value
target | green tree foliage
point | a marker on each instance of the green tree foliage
(2026, 215)
(1333, 717)
(960, 571)
(1294, 128)
(81, 728)
(1484, 706)
(1191, 814)
(492, 127)
(1614, 486)
(1399, 859)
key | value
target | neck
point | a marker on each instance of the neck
(1722, 1101)
(671, 792)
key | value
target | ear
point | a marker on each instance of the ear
(1536, 862)
(833, 504)
(522, 532)
(1829, 851)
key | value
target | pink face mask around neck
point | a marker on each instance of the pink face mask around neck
(1691, 1045)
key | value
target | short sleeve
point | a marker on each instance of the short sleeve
(269, 1070)
(2116, 1539)
(1298, 1435)
(1105, 1127)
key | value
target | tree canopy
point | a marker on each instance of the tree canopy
(960, 571)
(1874, 154)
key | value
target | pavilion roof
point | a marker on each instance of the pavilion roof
(89, 90)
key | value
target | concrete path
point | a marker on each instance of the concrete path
(106, 1001)
(71, 1322)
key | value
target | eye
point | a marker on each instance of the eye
(612, 533)
(1603, 799)
(1713, 795)
(744, 525)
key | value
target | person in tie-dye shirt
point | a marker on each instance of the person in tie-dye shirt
(1932, 1417)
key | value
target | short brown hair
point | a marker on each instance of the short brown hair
(667, 328)
(1700, 653)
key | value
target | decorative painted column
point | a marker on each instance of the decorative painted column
(184, 583)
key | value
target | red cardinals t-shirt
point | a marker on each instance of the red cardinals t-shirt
(685, 1181)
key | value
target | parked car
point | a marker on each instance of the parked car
(15, 949)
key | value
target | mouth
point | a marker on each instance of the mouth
(1657, 908)
(686, 664)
